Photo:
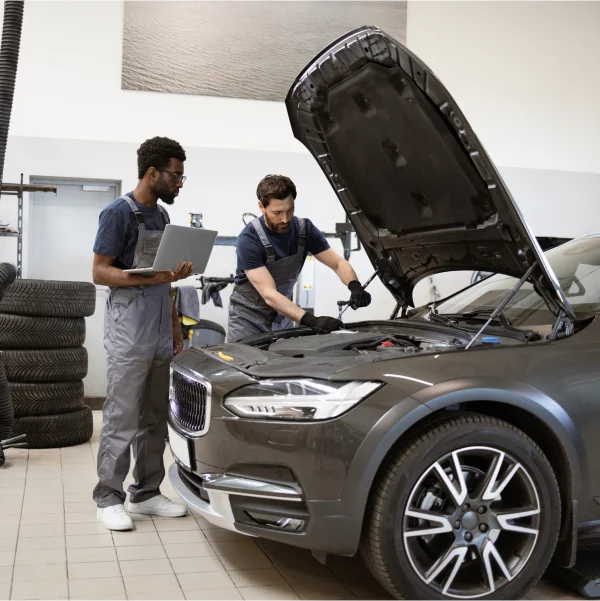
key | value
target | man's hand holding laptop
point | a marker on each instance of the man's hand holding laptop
(182, 272)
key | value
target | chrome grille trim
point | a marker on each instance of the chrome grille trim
(189, 402)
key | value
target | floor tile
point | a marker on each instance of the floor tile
(78, 497)
(138, 553)
(189, 550)
(4, 590)
(40, 572)
(367, 589)
(188, 523)
(322, 590)
(98, 569)
(40, 557)
(54, 508)
(84, 507)
(262, 577)
(225, 536)
(44, 589)
(146, 567)
(91, 587)
(299, 569)
(245, 562)
(11, 509)
(85, 529)
(91, 555)
(9, 520)
(6, 574)
(206, 581)
(196, 565)
(182, 536)
(151, 584)
(247, 547)
(135, 539)
(38, 531)
(166, 596)
(144, 526)
(89, 541)
(43, 542)
(42, 519)
(225, 594)
(261, 593)
(81, 518)
(98, 597)
(8, 532)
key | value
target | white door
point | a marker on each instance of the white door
(63, 229)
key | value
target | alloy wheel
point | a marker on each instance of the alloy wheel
(471, 522)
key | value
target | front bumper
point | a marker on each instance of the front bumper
(317, 474)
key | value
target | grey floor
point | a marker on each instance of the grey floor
(51, 547)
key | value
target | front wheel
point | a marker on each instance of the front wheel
(468, 510)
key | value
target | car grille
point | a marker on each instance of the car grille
(188, 403)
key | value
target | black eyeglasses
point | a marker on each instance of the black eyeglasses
(179, 179)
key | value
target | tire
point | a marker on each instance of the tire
(7, 413)
(49, 298)
(51, 398)
(22, 332)
(52, 431)
(8, 274)
(50, 365)
(397, 560)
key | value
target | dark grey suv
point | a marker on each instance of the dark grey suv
(455, 445)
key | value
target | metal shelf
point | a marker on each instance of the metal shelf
(18, 190)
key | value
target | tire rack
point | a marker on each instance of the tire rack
(18, 190)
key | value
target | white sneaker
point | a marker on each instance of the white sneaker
(158, 505)
(114, 518)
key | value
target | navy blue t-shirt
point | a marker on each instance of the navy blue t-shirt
(251, 253)
(118, 230)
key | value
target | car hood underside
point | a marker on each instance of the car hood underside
(416, 183)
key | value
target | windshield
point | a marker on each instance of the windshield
(577, 267)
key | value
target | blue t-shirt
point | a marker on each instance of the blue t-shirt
(251, 253)
(118, 230)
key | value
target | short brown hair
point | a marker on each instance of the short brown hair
(275, 186)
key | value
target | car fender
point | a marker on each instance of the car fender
(408, 412)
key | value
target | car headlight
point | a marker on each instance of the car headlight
(297, 399)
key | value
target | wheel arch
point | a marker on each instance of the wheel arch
(536, 414)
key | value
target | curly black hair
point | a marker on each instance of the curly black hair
(156, 153)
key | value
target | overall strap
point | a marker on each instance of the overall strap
(164, 215)
(301, 234)
(136, 212)
(264, 239)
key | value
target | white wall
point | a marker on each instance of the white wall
(69, 86)
(524, 73)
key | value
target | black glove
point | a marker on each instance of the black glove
(321, 325)
(360, 297)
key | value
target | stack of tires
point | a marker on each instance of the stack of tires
(8, 274)
(42, 330)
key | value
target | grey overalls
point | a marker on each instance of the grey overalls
(138, 339)
(248, 312)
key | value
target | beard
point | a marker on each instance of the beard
(165, 194)
(279, 228)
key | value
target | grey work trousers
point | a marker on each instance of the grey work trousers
(138, 339)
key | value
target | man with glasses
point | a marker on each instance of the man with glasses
(141, 335)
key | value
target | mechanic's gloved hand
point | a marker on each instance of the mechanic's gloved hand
(321, 325)
(359, 296)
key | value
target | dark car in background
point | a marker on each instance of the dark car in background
(456, 445)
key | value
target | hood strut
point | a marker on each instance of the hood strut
(562, 321)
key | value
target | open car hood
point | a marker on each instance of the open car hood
(416, 183)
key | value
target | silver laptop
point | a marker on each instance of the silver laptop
(181, 243)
